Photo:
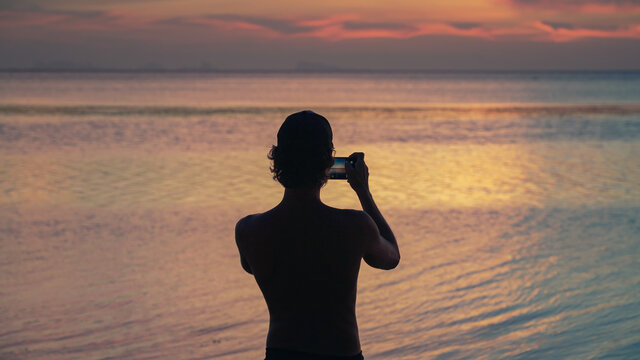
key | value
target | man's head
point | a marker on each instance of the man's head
(304, 152)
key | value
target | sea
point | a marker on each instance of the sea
(514, 196)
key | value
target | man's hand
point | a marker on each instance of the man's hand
(358, 173)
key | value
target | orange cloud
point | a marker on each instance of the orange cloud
(343, 27)
(329, 20)
(336, 27)
(346, 30)
(567, 33)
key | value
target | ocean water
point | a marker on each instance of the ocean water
(515, 198)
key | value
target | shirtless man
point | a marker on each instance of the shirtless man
(305, 255)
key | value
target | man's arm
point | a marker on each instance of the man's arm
(381, 249)
(240, 240)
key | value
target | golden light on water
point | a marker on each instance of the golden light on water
(450, 176)
(414, 176)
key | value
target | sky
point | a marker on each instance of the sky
(316, 35)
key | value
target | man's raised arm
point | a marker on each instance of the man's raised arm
(381, 249)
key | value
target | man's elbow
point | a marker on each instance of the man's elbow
(245, 264)
(392, 263)
(384, 261)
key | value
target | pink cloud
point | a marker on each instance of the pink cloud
(337, 28)
(339, 31)
(346, 27)
(229, 25)
(564, 34)
(332, 28)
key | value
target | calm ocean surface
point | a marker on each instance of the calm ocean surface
(515, 198)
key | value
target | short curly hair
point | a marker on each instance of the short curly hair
(304, 152)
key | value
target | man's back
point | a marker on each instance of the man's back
(305, 258)
(304, 255)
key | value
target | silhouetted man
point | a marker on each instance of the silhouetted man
(305, 255)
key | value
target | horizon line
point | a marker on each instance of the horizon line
(296, 70)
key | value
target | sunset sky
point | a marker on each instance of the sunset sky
(347, 34)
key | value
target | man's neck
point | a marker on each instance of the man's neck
(301, 196)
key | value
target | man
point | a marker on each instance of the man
(305, 255)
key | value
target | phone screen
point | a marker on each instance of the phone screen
(338, 170)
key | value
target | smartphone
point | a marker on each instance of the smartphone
(338, 171)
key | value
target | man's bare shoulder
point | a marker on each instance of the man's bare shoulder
(248, 224)
(243, 227)
(243, 223)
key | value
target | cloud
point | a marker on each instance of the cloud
(277, 25)
(581, 6)
(568, 26)
(345, 26)
(338, 27)
(359, 25)
(562, 32)
(465, 25)
(53, 20)
(333, 28)
(557, 25)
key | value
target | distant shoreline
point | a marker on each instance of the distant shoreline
(311, 71)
